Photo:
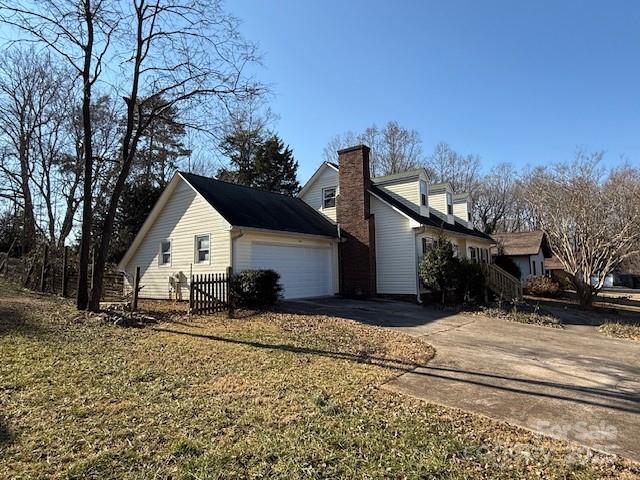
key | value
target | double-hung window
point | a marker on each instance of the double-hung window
(202, 249)
(164, 257)
(423, 193)
(472, 254)
(329, 197)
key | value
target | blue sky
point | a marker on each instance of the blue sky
(527, 82)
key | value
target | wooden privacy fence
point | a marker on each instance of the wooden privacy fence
(211, 293)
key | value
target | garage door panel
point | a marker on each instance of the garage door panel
(304, 271)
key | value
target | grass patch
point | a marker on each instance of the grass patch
(266, 396)
(627, 331)
(521, 314)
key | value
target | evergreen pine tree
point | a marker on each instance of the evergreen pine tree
(275, 167)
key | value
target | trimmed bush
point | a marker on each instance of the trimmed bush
(470, 281)
(256, 288)
(543, 287)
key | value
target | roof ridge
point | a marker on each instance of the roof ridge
(237, 184)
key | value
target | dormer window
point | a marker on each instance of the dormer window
(449, 203)
(329, 197)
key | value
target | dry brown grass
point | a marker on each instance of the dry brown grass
(266, 395)
(627, 331)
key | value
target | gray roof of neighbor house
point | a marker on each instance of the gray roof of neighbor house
(522, 243)
(431, 220)
(251, 207)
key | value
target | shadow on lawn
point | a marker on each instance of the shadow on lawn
(16, 320)
(6, 435)
(601, 397)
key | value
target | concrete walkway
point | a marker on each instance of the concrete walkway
(574, 384)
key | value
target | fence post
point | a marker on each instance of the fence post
(230, 302)
(43, 270)
(191, 289)
(65, 273)
(136, 289)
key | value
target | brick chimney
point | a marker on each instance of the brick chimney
(357, 252)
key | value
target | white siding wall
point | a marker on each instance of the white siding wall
(461, 213)
(184, 216)
(313, 196)
(242, 247)
(396, 268)
(438, 206)
(407, 192)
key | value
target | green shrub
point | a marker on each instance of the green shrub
(256, 288)
(436, 267)
(470, 281)
(508, 265)
(543, 287)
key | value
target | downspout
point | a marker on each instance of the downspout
(417, 256)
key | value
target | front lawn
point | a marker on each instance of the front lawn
(270, 395)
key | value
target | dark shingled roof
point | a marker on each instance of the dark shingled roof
(430, 221)
(251, 207)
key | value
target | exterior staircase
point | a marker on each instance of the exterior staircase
(504, 285)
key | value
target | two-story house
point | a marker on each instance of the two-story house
(346, 233)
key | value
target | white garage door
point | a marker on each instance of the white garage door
(304, 271)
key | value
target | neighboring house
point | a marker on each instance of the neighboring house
(346, 233)
(528, 250)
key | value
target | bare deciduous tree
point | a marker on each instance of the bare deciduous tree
(80, 32)
(590, 215)
(461, 171)
(190, 54)
(394, 148)
(494, 198)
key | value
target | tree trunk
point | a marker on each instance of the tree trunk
(583, 290)
(28, 217)
(82, 299)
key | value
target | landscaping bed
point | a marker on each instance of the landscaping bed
(269, 395)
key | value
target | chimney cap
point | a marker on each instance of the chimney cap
(353, 148)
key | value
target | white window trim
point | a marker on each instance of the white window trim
(335, 198)
(160, 264)
(196, 251)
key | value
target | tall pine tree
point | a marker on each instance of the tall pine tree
(259, 162)
(275, 167)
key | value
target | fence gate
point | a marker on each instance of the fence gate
(210, 293)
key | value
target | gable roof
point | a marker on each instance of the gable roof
(522, 243)
(428, 221)
(251, 207)
(315, 175)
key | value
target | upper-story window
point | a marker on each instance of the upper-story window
(329, 197)
(423, 193)
(202, 249)
(165, 252)
(449, 203)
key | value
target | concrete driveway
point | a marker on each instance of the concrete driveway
(570, 383)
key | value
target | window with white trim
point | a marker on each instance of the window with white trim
(165, 252)
(202, 249)
(423, 193)
(427, 244)
(329, 197)
(449, 203)
(472, 254)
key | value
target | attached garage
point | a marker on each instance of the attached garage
(305, 271)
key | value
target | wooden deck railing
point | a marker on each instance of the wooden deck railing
(505, 285)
